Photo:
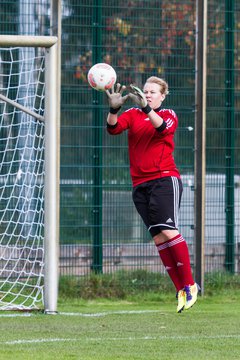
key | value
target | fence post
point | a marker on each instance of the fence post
(200, 139)
(97, 145)
(229, 85)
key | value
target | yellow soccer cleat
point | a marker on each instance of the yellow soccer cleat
(191, 295)
(181, 298)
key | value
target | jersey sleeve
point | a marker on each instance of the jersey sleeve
(122, 124)
(170, 121)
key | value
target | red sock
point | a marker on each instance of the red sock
(179, 251)
(170, 265)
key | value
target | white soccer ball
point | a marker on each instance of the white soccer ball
(102, 76)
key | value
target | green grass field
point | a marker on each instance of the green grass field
(141, 327)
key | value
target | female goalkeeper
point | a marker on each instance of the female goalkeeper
(157, 186)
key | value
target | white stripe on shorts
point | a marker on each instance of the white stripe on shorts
(176, 199)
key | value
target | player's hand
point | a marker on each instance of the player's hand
(115, 96)
(137, 96)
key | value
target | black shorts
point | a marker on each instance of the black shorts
(158, 202)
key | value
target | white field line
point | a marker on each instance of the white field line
(105, 313)
(15, 315)
(120, 312)
(100, 314)
(36, 341)
(146, 338)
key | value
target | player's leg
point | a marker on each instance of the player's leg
(171, 267)
(141, 198)
(164, 209)
(179, 250)
(169, 264)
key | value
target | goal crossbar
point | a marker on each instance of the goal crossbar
(25, 40)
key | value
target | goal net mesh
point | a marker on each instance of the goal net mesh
(21, 178)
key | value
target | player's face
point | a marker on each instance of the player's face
(153, 94)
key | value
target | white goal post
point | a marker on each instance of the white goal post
(29, 175)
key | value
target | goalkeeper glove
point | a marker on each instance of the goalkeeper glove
(115, 97)
(138, 96)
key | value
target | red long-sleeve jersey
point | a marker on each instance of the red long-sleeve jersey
(150, 150)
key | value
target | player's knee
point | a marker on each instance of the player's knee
(169, 234)
(164, 236)
(159, 238)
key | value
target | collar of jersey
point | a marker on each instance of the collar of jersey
(157, 109)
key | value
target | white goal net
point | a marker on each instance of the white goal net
(22, 177)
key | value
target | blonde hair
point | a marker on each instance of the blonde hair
(162, 83)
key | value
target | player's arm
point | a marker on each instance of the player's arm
(155, 119)
(112, 119)
(139, 98)
(116, 100)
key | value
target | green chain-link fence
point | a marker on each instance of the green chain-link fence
(99, 227)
